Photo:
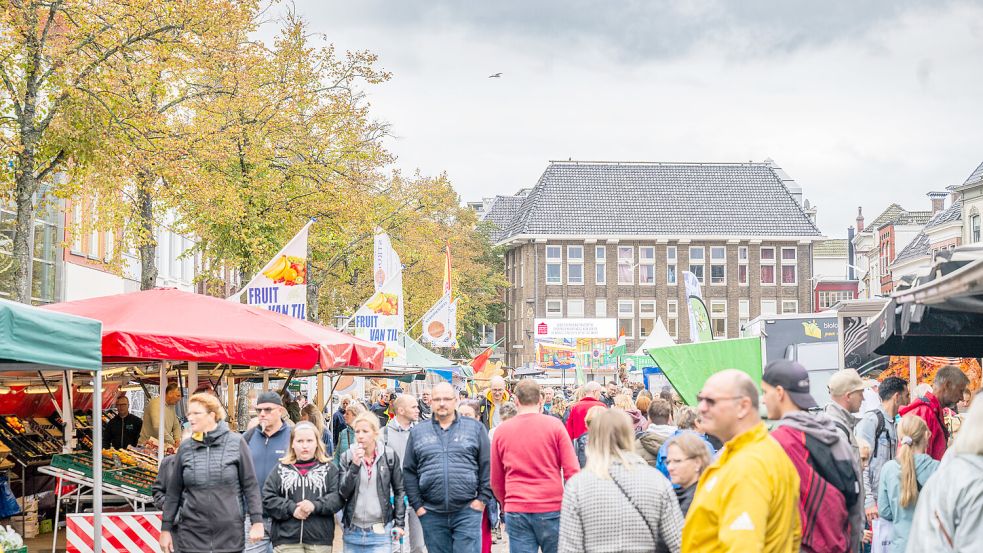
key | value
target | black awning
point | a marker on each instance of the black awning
(912, 329)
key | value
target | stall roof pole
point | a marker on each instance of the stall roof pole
(97, 462)
(193, 376)
(913, 377)
(161, 411)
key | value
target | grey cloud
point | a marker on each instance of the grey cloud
(636, 30)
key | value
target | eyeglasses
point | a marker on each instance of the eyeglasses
(265, 409)
(712, 401)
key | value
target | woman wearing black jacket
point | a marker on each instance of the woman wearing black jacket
(211, 487)
(300, 496)
(370, 474)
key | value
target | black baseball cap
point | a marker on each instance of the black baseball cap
(793, 378)
(269, 397)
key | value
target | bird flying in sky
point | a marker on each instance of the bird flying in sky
(495, 76)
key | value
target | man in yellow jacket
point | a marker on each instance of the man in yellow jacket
(748, 498)
(489, 405)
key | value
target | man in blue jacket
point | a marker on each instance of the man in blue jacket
(447, 476)
(268, 442)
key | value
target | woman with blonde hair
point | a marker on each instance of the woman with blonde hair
(618, 502)
(301, 495)
(371, 484)
(903, 477)
(580, 444)
(347, 436)
(624, 402)
(212, 483)
(687, 456)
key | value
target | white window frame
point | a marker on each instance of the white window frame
(672, 271)
(554, 313)
(773, 263)
(718, 263)
(627, 316)
(794, 263)
(600, 265)
(575, 261)
(974, 228)
(672, 317)
(647, 262)
(743, 312)
(795, 303)
(601, 308)
(575, 308)
(703, 261)
(774, 307)
(554, 260)
(77, 228)
(630, 263)
(743, 258)
(718, 303)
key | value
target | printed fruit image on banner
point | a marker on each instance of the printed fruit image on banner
(289, 270)
(384, 304)
(927, 366)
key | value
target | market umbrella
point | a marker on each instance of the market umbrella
(167, 324)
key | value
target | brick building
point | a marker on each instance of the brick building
(611, 240)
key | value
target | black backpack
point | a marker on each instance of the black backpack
(880, 429)
(838, 473)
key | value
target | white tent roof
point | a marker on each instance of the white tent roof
(659, 337)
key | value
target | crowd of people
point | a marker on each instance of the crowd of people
(597, 468)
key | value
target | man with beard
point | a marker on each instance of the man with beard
(947, 390)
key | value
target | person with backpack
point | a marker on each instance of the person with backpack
(649, 441)
(830, 503)
(371, 484)
(903, 478)
(877, 429)
(301, 496)
(947, 390)
(396, 434)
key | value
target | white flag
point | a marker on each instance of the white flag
(281, 285)
(440, 323)
(382, 319)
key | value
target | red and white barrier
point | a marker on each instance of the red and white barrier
(121, 532)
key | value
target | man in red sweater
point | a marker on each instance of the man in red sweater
(947, 390)
(531, 458)
(576, 425)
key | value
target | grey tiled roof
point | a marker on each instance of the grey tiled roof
(920, 245)
(917, 248)
(976, 176)
(897, 215)
(830, 248)
(668, 199)
(500, 214)
(887, 216)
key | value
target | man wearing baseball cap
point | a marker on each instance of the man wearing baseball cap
(832, 519)
(267, 442)
(846, 389)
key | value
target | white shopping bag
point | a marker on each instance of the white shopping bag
(883, 536)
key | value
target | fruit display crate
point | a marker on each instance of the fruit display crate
(119, 468)
(30, 443)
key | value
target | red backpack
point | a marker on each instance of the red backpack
(822, 507)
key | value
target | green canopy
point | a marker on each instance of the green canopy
(687, 366)
(419, 356)
(41, 337)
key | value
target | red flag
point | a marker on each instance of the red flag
(479, 362)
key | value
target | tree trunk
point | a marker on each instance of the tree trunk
(313, 286)
(148, 242)
(23, 256)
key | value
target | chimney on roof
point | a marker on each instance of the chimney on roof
(793, 187)
(860, 219)
(938, 201)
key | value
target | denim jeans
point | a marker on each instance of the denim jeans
(529, 532)
(364, 540)
(263, 545)
(458, 532)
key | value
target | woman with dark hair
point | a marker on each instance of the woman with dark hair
(310, 413)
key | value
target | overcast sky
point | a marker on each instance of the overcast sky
(862, 103)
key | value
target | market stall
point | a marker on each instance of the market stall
(37, 342)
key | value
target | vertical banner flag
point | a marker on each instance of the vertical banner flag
(440, 322)
(382, 319)
(699, 318)
(281, 285)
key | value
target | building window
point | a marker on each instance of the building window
(77, 227)
(829, 298)
(718, 265)
(671, 265)
(601, 308)
(974, 228)
(554, 308)
(697, 262)
(487, 335)
(110, 244)
(626, 267)
(575, 264)
(575, 308)
(718, 318)
(646, 317)
(554, 263)
(626, 318)
(769, 307)
(742, 261)
(93, 252)
(790, 306)
(767, 265)
(600, 266)
(672, 318)
(646, 265)
(743, 312)
(789, 266)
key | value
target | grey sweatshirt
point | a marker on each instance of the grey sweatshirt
(822, 428)
(396, 437)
